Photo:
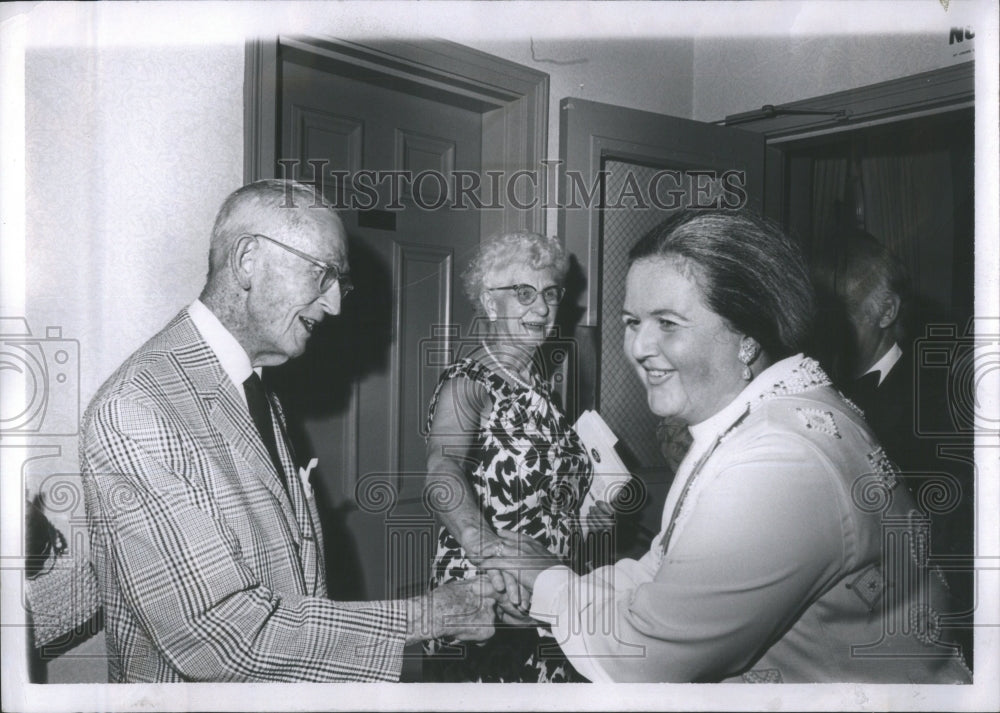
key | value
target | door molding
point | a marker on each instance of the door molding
(512, 99)
(910, 97)
(591, 132)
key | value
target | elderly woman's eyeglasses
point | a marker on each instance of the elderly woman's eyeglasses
(330, 274)
(526, 294)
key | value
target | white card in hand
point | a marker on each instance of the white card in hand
(610, 473)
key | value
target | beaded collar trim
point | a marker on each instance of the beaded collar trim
(805, 375)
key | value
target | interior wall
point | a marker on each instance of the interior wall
(129, 152)
(653, 74)
(732, 75)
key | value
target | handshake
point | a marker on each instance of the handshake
(468, 610)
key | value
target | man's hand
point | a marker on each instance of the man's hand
(461, 610)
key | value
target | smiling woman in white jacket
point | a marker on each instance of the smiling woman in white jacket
(789, 551)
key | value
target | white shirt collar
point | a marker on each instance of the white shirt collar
(884, 365)
(788, 376)
(703, 434)
(233, 357)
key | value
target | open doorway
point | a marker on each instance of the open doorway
(910, 184)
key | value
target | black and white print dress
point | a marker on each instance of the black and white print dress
(530, 472)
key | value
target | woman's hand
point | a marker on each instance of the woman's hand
(601, 517)
(489, 557)
(512, 562)
(515, 616)
(522, 557)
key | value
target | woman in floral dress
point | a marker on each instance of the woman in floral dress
(504, 463)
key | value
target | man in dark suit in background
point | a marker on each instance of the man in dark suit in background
(205, 541)
(872, 286)
(868, 297)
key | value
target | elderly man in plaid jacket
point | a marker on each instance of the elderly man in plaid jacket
(207, 550)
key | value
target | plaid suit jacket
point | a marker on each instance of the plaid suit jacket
(207, 569)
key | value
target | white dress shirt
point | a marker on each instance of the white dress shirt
(233, 357)
(884, 365)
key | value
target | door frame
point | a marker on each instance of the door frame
(589, 133)
(910, 97)
(512, 99)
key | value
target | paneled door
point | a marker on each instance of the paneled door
(359, 395)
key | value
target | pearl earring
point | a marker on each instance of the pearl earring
(749, 349)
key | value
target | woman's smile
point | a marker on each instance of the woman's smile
(683, 353)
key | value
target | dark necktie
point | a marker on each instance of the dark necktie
(260, 410)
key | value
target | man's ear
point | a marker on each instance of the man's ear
(888, 309)
(489, 305)
(244, 260)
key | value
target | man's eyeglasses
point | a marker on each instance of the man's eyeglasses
(331, 273)
(526, 294)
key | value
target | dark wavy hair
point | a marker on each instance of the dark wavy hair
(751, 273)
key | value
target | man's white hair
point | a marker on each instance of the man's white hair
(260, 203)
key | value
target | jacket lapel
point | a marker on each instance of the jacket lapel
(231, 418)
(228, 414)
(305, 510)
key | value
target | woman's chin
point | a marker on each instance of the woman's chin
(662, 410)
(537, 334)
(528, 339)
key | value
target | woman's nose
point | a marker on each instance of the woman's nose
(540, 306)
(643, 342)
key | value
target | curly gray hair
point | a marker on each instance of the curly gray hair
(518, 248)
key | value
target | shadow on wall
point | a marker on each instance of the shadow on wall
(316, 390)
